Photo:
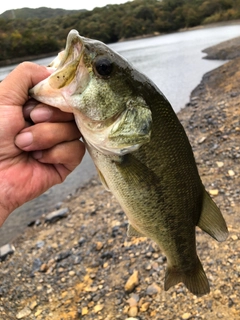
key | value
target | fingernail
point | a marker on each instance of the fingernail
(24, 140)
(51, 69)
(37, 155)
(41, 114)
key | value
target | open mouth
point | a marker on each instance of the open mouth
(72, 51)
(71, 77)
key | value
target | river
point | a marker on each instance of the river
(174, 62)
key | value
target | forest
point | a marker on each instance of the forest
(34, 32)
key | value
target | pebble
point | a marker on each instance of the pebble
(133, 300)
(186, 316)
(220, 164)
(231, 173)
(153, 289)
(214, 192)
(217, 294)
(201, 140)
(6, 250)
(132, 282)
(23, 313)
(56, 215)
(84, 311)
(133, 311)
(99, 245)
(98, 308)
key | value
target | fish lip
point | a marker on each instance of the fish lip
(74, 43)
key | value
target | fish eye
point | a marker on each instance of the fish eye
(104, 67)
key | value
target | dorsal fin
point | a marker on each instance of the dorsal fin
(211, 219)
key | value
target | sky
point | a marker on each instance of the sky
(68, 5)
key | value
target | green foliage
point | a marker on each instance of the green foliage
(25, 32)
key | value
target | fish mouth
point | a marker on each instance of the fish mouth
(70, 77)
(71, 53)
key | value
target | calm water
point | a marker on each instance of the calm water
(174, 62)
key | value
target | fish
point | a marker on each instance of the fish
(141, 152)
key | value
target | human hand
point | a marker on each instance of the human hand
(35, 157)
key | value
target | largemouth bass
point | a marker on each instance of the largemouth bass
(140, 150)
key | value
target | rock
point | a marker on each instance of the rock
(36, 264)
(132, 282)
(40, 244)
(6, 250)
(201, 140)
(186, 316)
(44, 267)
(133, 300)
(33, 305)
(214, 192)
(217, 294)
(145, 306)
(84, 311)
(153, 289)
(220, 164)
(98, 308)
(23, 313)
(99, 245)
(133, 311)
(56, 215)
(231, 173)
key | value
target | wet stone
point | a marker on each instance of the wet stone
(6, 250)
(56, 215)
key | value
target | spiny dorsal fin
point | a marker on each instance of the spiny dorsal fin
(211, 219)
(195, 279)
(132, 232)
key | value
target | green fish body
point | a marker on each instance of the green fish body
(140, 150)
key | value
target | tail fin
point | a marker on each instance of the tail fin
(211, 219)
(195, 280)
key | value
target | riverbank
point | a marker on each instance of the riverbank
(77, 267)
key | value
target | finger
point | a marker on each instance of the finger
(14, 88)
(69, 154)
(28, 107)
(45, 135)
(43, 113)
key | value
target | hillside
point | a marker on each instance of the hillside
(31, 32)
(39, 13)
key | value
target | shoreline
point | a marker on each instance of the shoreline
(76, 267)
(9, 62)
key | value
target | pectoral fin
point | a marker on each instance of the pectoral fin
(211, 219)
(102, 179)
(132, 232)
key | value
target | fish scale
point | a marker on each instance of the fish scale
(140, 150)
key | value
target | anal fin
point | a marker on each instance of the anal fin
(132, 232)
(211, 219)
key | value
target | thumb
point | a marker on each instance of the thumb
(14, 88)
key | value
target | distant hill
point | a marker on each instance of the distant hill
(41, 13)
